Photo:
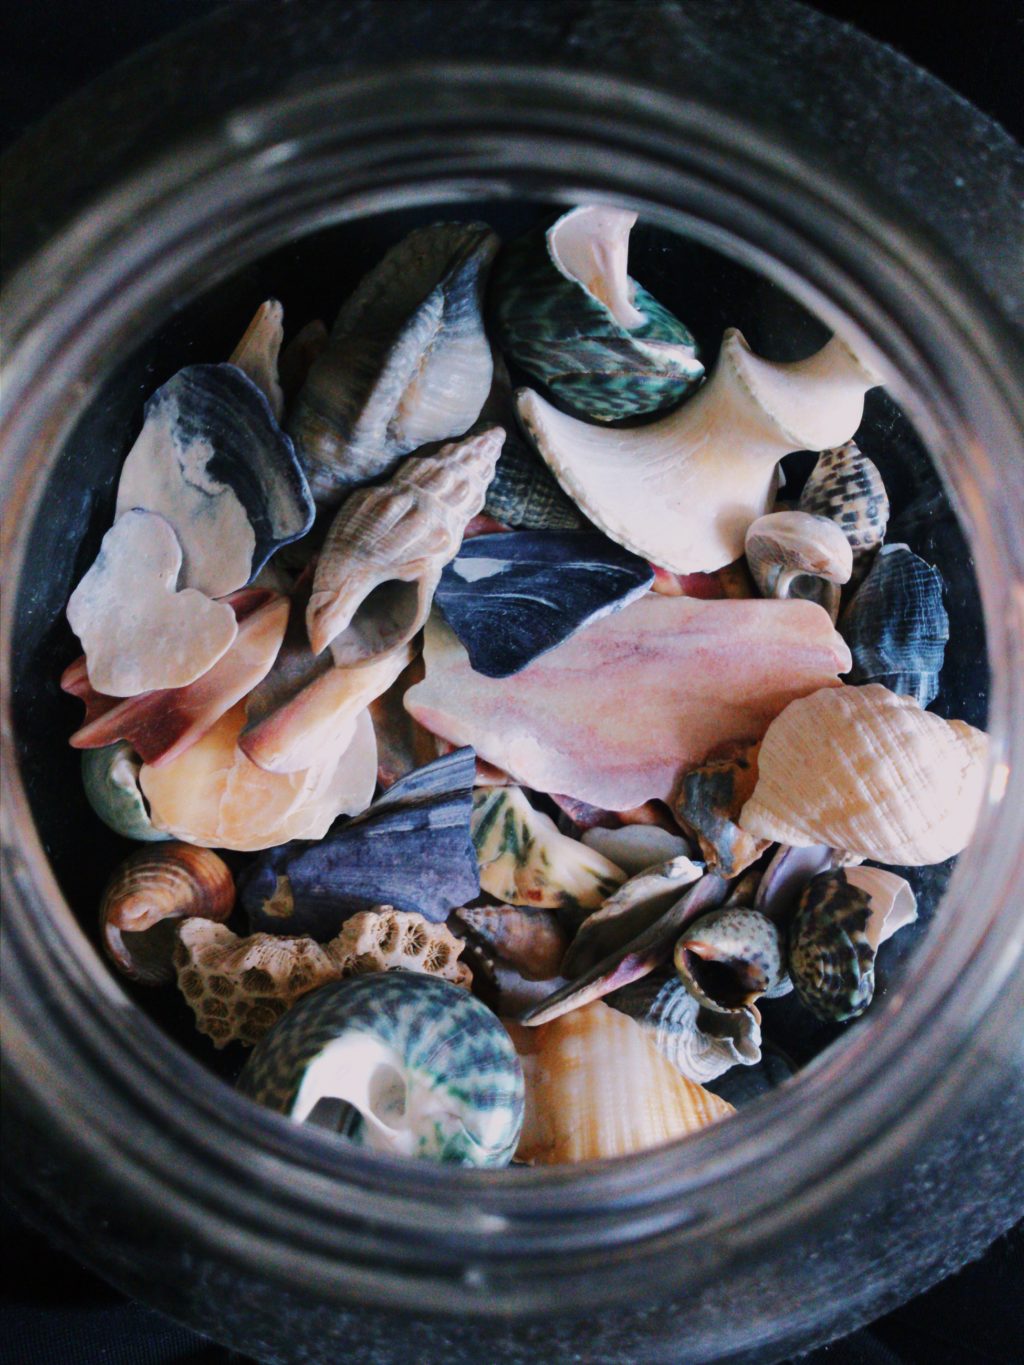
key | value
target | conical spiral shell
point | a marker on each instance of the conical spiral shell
(861, 769)
(166, 882)
(387, 546)
(596, 1087)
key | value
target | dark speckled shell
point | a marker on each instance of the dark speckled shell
(831, 962)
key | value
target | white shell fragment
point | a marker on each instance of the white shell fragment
(635, 848)
(385, 551)
(861, 769)
(796, 554)
(137, 631)
(682, 491)
(892, 901)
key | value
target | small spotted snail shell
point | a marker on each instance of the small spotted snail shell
(431, 1072)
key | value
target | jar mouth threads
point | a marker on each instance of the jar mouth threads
(258, 190)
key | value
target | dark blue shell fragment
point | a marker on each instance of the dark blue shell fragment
(513, 596)
(897, 627)
(411, 849)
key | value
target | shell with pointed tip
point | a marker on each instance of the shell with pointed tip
(431, 1071)
(683, 490)
(524, 860)
(568, 313)
(384, 553)
(256, 355)
(528, 939)
(701, 1044)
(110, 777)
(407, 363)
(213, 462)
(634, 907)
(170, 881)
(847, 488)
(897, 627)
(597, 1087)
(160, 725)
(708, 804)
(796, 554)
(411, 849)
(138, 632)
(730, 958)
(863, 770)
(214, 796)
(831, 956)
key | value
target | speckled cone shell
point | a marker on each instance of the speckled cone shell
(401, 534)
(596, 1087)
(861, 769)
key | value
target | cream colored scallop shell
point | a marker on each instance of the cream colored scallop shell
(597, 1087)
(861, 769)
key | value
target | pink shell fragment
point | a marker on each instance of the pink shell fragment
(616, 714)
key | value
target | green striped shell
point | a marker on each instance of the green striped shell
(831, 960)
(563, 335)
(434, 1068)
(110, 777)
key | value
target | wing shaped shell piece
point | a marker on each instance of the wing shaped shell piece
(408, 361)
(384, 553)
(683, 490)
(696, 673)
(864, 770)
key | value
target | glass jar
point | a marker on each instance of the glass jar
(895, 1155)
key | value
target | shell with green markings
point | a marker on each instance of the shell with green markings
(428, 1070)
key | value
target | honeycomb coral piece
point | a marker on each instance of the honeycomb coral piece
(238, 988)
(383, 939)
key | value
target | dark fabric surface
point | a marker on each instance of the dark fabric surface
(54, 1311)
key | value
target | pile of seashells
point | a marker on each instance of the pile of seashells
(549, 683)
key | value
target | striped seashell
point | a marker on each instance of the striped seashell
(429, 1069)
(897, 627)
(847, 488)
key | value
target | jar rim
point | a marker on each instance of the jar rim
(927, 328)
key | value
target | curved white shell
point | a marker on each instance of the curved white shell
(138, 633)
(259, 350)
(861, 769)
(635, 848)
(597, 1087)
(385, 551)
(682, 491)
(797, 554)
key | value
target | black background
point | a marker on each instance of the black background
(57, 1313)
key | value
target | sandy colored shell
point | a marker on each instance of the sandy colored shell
(861, 769)
(169, 881)
(384, 939)
(596, 1087)
(257, 354)
(797, 554)
(386, 548)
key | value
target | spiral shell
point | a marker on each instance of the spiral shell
(847, 488)
(860, 769)
(171, 881)
(530, 940)
(430, 1070)
(831, 957)
(597, 1087)
(701, 1044)
(730, 958)
(384, 553)
(110, 777)
(796, 554)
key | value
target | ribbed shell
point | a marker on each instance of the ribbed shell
(451, 1049)
(167, 881)
(529, 939)
(861, 769)
(897, 627)
(700, 1044)
(400, 534)
(597, 1087)
(551, 296)
(407, 363)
